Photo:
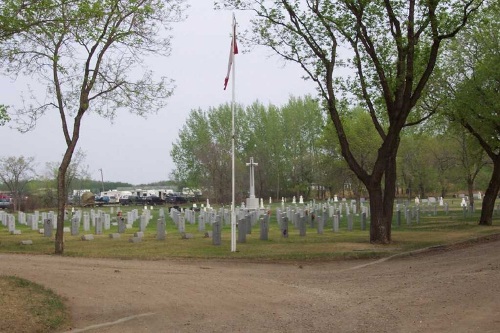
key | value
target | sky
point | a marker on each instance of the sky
(136, 150)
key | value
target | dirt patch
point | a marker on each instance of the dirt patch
(452, 290)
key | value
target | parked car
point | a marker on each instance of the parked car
(176, 199)
(154, 200)
(130, 200)
(5, 203)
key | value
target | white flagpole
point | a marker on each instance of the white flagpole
(233, 214)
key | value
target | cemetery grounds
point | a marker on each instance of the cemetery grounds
(440, 275)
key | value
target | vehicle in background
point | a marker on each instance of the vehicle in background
(128, 200)
(5, 203)
(176, 199)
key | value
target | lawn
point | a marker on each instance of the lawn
(433, 228)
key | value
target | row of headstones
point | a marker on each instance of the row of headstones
(98, 220)
(210, 216)
(414, 211)
(31, 220)
(324, 212)
(301, 218)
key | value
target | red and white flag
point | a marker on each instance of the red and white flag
(232, 51)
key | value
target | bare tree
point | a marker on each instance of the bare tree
(15, 173)
(89, 55)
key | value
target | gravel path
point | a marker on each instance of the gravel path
(438, 291)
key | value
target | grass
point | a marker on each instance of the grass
(29, 307)
(439, 229)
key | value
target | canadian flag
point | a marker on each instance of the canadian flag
(232, 51)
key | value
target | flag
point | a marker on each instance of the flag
(232, 51)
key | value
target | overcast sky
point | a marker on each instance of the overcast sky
(137, 150)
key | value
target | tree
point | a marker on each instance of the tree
(15, 173)
(77, 170)
(202, 153)
(394, 46)
(282, 140)
(19, 16)
(88, 54)
(471, 84)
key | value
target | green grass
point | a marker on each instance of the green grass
(31, 307)
(432, 230)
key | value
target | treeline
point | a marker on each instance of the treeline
(298, 153)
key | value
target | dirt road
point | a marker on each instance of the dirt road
(442, 291)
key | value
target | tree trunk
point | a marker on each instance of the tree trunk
(380, 221)
(491, 194)
(470, 190)
(62, 196)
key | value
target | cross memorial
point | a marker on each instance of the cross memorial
(252, 202)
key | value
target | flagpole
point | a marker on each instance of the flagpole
(233, 213)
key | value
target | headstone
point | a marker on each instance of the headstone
(114, 235)
(242, 232)
(98, 226)
(161, 229)
(216, 231)
(363, 221)
(135, 239)
(336, 222)
(264, 227)
(463, 203)
(139, 234)
(26, 242)
(248, 221)
(89, 237)
(321, 223)
(122, 226)
(302, 226)
(284, 227)
(186, 235)
(47, 228)
(86, 222)
(349, 222)
(75, 226)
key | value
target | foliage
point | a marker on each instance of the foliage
(4, 116)
(392, 49)
(89, 55)
(283, 141)
(471, 77)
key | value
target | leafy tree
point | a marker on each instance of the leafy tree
(15, 173)
(20, 16)
(282, 141)
(88, 55)
(394, 46)
(471, 84)
(202, 153)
